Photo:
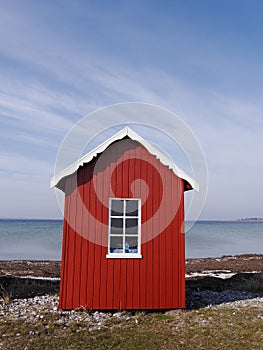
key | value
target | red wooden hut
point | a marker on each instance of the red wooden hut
(123, 233)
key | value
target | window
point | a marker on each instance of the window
(124, 228)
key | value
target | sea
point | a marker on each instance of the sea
(41, 239)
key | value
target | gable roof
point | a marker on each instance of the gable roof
(125, 132)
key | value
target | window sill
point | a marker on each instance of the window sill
(124, 256)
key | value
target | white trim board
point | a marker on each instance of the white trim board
(123, 235)
(127, 131)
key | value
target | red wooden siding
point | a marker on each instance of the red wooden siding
(88, 279)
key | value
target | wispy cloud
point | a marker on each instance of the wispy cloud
(52, 75)
(17, 165)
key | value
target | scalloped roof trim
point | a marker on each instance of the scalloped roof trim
(127, 131)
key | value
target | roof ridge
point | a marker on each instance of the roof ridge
(126, 131)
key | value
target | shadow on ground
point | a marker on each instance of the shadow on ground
(200, 292)
(213, 291)
(17, 287)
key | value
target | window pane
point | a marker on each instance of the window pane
(132, 208)
(131, 226)
(116, 244)
(117, 207)
(131, 244)
(116, 226)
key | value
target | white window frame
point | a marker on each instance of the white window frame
(125, 255)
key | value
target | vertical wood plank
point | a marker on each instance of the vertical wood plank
(149, 246)
(162, 247)
(182, 250)
(84, 241)
(78, 241)
(156, 244)
(143, 289)
(168, 254)
(137, 262)
(110, 262)
(174, 228)
(129, 264)
(116, 284)
(91, 246)
(104, 233)
(71, 245)
(64, 257)
(97, 246)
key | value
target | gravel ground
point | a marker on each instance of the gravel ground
(256, 302)
(34, 309)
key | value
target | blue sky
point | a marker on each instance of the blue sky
(60, 60)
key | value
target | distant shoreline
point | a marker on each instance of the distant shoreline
(250, 219)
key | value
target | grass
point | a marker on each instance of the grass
(5, 295)
(214, 328)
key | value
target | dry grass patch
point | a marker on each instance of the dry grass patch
(223, 327)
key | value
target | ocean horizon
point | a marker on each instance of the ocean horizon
(40, 239)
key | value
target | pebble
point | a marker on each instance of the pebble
(38, 308)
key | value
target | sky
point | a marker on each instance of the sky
(61, 60)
